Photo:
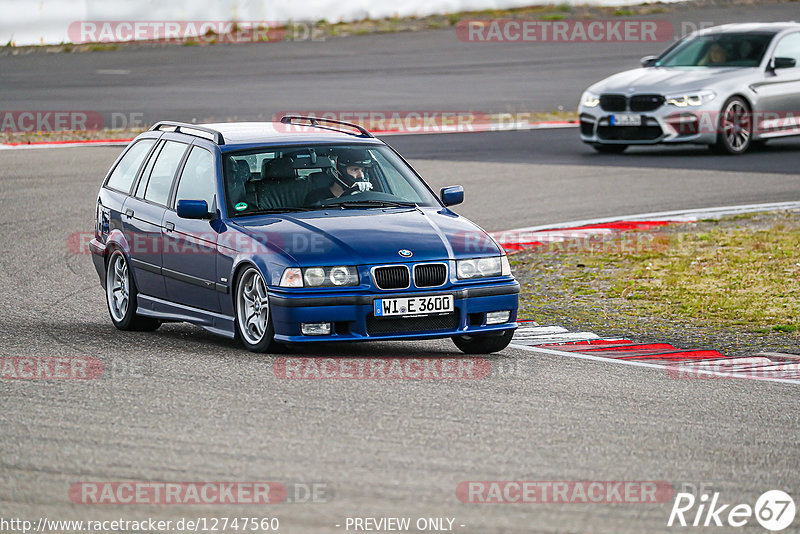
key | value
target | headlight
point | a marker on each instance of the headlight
(342, 275)
(483, 268)
(590, 100)
(691, 99)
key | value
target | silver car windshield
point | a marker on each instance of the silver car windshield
(718, 50)
(284, 179)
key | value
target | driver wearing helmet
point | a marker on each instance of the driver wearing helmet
(348, 176)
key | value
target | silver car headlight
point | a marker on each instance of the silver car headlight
(483, 267)
(342, 275)
(691, 99)
(590, 100)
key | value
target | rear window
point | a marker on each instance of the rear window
(125, 171)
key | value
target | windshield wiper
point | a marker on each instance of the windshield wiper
(281, 210)
(373, 204)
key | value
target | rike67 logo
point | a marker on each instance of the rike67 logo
(774, 510)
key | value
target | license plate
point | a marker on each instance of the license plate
(433, 304)
(626, 120)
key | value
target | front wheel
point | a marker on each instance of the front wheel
(484, 343)
(610, 149)
(121, 296)
(735, 128)
(253, 319)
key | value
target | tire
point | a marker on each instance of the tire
(251, 301)
(484, 343)
(735, 128)
(121, 296)
(610, 149)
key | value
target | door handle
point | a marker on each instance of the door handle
(169, 226)
(129, 213)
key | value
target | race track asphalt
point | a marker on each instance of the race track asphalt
(182, 405)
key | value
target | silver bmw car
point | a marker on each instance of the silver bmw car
(728, 87)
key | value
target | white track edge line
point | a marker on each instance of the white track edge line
(721, 210)
(648, 365)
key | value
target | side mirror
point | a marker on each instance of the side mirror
(452, 195)
(193, 209)
(649, 61)
(783, 63)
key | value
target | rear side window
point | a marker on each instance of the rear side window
(163, 172)
(198, 179)
(123, 175)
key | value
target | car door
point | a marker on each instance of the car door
(189, 255)
(779, 94)
(143, 216)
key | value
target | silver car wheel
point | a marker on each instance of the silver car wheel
(118, 287)
(736, 125)
(252, 306)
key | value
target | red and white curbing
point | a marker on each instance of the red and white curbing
(678, 363)
(517, 240)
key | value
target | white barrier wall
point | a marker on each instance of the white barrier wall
(26, 22)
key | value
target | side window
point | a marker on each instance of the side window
(148, 168)
(789, 46)
(123, 175)
(198, 180)
(160, 182)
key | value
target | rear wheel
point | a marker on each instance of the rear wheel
(735, 128)
(121, 296)
(253, 318)
(610, 149)
(484, 343)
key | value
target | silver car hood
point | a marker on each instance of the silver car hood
(672, 80)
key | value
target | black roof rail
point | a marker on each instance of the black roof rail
(182, 127)
(288, 119)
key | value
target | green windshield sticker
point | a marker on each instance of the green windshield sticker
(240, 206)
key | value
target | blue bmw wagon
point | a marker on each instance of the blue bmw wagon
(297, 231)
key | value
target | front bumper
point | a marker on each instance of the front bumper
(667, 124)
(352, 317)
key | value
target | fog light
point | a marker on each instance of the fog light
(497, 317)
(315, 329)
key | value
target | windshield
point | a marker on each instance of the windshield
(718, 50)
(274, 180)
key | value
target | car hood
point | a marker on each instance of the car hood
(667, 81)
(370, 236)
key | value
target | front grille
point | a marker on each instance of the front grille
(430, 274)
(646, 102)
(434, 323)
(392, 277)
(613, 102)
(629, 133)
